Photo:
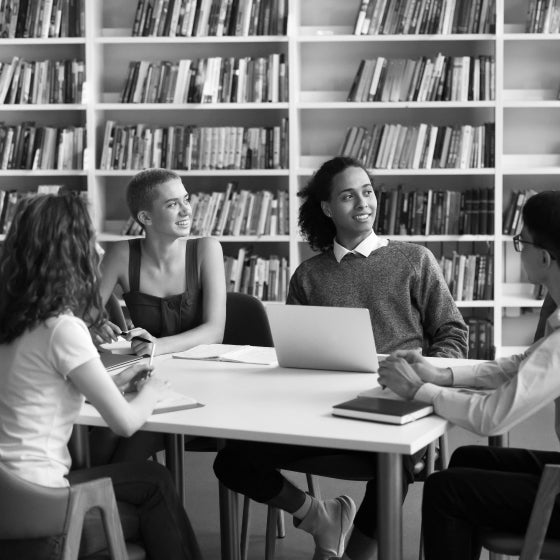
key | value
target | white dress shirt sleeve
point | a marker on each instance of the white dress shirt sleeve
(518, 387)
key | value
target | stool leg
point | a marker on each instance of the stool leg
(245, 521)
(271, 524)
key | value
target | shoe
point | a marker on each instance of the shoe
(328, 521)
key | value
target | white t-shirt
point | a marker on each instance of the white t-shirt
(38, 403)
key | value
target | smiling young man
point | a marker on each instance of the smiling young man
(410, 306)
(400, 283)
(492, 487)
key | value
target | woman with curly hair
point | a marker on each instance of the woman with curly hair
(410, 306)
(49, 296)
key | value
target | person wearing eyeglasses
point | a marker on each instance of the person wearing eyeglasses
(489, 486)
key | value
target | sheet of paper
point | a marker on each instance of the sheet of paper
(120, 346)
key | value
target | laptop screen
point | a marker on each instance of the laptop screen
(316, 337)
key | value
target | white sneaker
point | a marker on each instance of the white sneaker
(328, 521)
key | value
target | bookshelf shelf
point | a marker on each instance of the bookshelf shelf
(340, 34)
(108, 105)
(327, 100)
(42, 173)
(217, 173)
(27, 107)
(115, 36)
(40, 42)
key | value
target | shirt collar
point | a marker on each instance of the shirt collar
(370, 244)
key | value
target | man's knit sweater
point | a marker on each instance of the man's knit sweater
(402, 286)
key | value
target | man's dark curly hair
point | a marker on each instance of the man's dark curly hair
(48, 265)
(316, 228)
(541, 216)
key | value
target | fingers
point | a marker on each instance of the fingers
(137, 332)
(141, 346)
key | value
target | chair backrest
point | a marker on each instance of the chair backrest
(28, 510)
(115, 312)
(246, 321)
(548, 306)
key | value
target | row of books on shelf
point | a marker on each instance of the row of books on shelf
(208, 80)
(240, 212)
(434, 212)
(192, 147)
(421, 146)
(265, 278)
(442, 78)
(197, 18)
(469, 277)
(512, 219)
(41, 81)
(9, 199)
(28, 146)
(41, 18)
(543, 16)
(408, 17)
(481, 335)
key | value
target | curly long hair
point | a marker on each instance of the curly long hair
(316, 228)
(48, 265)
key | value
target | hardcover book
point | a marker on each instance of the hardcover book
(382, 410)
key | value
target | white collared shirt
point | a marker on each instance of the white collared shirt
(370, 244)
(513, 388)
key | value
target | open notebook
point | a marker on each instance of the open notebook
(172, 401)
(243, 354)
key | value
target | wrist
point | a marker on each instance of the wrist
(415, 390)
(447, 377)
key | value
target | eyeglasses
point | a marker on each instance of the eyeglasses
(518, 243)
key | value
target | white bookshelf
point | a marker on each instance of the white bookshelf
(322, 56)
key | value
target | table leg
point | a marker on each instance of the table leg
(175, 461)
(229, 530)
(499, 441)
(389, 507)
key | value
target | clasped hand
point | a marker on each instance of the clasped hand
(405, 371)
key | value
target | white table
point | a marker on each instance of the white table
(289, 406)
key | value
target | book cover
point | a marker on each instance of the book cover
(382, 410)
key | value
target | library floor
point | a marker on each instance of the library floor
(202, 496)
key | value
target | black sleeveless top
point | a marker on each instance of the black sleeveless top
(169, 315)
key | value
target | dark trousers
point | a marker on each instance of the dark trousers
(252, 469)
(483, 487)
(149, 507)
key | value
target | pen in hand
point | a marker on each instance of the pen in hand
(152, 354)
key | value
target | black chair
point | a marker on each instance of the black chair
(38, 522)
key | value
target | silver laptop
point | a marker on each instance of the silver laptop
(313, 337)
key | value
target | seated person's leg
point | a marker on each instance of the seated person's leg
(252, 469)
(507, 459)
(106, 447)
(468, 496)
(165, 529)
